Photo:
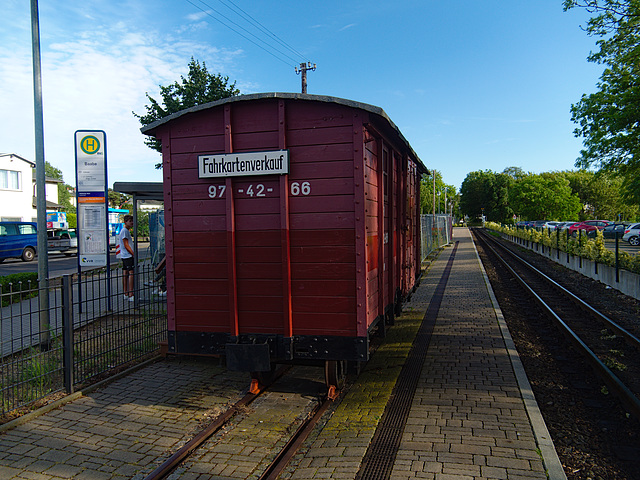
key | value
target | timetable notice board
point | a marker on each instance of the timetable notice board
(91, 191)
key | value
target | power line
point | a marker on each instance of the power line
(280, 52)
(261, 27)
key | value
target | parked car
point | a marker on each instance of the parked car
(18, 240)
(565, 225)
(588, 225)
(550, 225)
(610, 230)
(62, 240)
(632, 234)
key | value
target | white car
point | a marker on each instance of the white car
(551, 225)
(632, 234)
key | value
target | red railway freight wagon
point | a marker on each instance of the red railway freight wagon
(292, 228)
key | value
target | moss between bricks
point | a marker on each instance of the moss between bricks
(364, 404)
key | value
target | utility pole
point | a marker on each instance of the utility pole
(445, 199)
(303, 70)
(434, 195)
(41, 196)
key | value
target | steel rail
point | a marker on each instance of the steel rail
(295, 442)
(177, 458)
(610, 379)
(629, 337)
(187, 449)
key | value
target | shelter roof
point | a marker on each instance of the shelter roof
(141, 190)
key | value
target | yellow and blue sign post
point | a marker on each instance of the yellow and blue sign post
(92, 198)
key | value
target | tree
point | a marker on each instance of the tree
(64, 196)
(515, 172)
(488, 193)
(198, 88)
(547, 196)
(609, 120)
(601, 195)
(426, 195)
(117, 199)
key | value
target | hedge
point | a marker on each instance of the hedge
(585, 247)
(20, 285)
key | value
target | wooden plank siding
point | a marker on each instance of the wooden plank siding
(321, 153)
(321, 250)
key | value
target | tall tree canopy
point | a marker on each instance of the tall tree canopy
(600, 195)
(64, 196)
(199, 87)
(609, 119)
(547, 196)
(442, 192)
(488, 193)
(568, 195)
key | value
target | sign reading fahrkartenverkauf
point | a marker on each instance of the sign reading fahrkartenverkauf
(243, 164)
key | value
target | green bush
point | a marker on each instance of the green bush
(590, 248)
(18, 286)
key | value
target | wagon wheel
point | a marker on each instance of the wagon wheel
(335, 373)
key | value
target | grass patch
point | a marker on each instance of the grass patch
(101, 348)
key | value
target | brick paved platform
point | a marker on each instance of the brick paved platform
(473, 415)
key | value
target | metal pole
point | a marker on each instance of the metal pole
(136, 271)
(580, 247)
(617, 259)
(41, 195)
(67, 332)
(434, 196)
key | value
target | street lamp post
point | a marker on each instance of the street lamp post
(41, 196)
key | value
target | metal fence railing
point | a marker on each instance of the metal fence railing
(89, 330)
(436, 231)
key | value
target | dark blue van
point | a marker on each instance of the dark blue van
(18, 240)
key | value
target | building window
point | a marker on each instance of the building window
(9, 180)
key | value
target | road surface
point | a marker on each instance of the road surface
(59, 264)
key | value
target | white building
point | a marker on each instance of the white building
(18, 189)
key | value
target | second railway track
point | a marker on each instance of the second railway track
(596, 437)
(612, 350)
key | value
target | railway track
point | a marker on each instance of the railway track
(596, 435)
(258, 435)
(603, 341)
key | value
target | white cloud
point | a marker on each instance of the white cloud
(347, 26)
(197, 16)
(94, 80)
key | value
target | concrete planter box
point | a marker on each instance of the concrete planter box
(628, 283)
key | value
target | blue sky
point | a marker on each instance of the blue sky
(473, 85)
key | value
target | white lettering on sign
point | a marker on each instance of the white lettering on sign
(259, 190)
(242, 164)
(217, 191)
(303, 188)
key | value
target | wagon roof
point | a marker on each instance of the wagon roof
(150, 129)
